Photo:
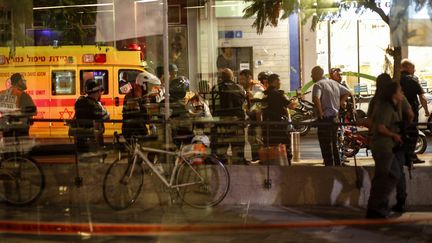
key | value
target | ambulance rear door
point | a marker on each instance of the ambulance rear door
(64, 90)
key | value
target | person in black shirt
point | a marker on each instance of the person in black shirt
(276, 105)
(231, 98)
(413, 92)
(89, 114)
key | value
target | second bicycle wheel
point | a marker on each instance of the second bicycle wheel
(22, 181)
(122, 183)
(202, 181)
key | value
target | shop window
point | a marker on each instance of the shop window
(101, 76)
(125, 79)
(63, 82)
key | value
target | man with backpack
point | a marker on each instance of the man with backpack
(231, 98)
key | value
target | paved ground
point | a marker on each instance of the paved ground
(239, 223)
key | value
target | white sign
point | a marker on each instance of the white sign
(244, 65)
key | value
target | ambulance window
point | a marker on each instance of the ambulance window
(99, 75)
(125, 79)
(63, 82)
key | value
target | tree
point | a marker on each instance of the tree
(268, 13)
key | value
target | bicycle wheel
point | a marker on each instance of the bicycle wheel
(122, 183)
(202, 181)
(22, 181)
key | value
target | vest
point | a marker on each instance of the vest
(10, 99)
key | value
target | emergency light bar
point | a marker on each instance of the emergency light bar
(97, 58)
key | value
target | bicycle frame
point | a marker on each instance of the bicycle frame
(142, 152)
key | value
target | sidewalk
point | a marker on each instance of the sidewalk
(241, 223)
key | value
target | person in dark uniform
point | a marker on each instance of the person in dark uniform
(413, 92)
(231, 99)
(89, 114)
(276, 105)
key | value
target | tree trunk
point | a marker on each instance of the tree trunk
(397, 58)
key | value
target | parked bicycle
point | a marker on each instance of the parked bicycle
(199, 178)
(21, 179)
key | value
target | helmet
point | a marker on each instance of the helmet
(201, 139)
(146, 77)
(178, 88)
(264, 75)
(92, 86)
(172, 68)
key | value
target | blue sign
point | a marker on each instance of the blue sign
(230, 34)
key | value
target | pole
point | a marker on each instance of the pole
(329, 43)
(358, 53)
(166, 67)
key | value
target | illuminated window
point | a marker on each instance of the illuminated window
(126, 76)
(101, 76)
(63, 82)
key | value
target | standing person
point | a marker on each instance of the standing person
(254, 89)
(232, 97)
(136, 113)
(276, 105)
(335, 74)
(327, 95)
(413, 92)
(407, 115)
(89, 113)
(225, 60)
(15, 101)
(385, 141)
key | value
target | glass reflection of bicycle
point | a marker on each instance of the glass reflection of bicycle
(198, 177)
(21, 179)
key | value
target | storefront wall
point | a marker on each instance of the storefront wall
(269, 51)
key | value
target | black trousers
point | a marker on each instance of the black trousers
(327, 137)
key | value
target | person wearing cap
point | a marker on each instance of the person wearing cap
(173, 73)
(263, 78)
(90, 114)
(14, 101)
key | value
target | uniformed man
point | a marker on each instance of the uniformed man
(18, 105)
(89, 114)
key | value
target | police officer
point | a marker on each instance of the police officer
(89, 114)
(14, 101)
(413, 92)
(276, 105)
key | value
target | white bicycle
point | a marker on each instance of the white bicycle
(199, 178)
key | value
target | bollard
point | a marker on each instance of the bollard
(295, 146)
